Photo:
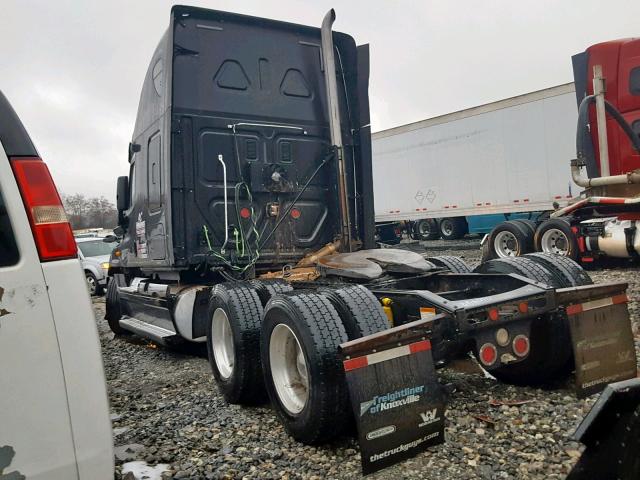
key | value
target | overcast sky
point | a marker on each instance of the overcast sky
(73, 70)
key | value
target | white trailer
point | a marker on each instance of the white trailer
(501, 158)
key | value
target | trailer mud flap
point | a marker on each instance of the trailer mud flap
(398, 404)
(602, 343)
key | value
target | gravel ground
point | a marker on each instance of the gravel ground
(166, 409)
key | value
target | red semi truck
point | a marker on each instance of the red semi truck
(601, 221)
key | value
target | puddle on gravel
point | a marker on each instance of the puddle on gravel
(142, 470)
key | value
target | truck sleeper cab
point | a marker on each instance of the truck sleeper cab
(248, 250)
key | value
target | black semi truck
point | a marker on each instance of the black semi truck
(247, 222)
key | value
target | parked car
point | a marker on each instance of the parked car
(54, 413)
(94, 253)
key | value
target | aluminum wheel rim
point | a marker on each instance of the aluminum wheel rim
(447, 227)
(424, 229)
(91, 282)
(288, 369)
(506, 244)
(222, 343)
(555, 241)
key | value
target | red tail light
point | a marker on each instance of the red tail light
(49, 224)
(245, 212)
(488, 354)
(521, 345)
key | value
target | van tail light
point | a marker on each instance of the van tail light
(49, 225)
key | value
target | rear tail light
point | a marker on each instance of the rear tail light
(521, 345)
(488, 354)
(295, 213)
(49, 225)
(523, 307)
(245, 212)
(494, 314)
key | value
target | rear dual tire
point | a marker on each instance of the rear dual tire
(511, 239)
(556, 236)
(567, 272)
(425, 229)
(522, 266)
(359, 310)
(269, 287)
(453, 228)
(233, 342)
(302, 369)
(451, 263)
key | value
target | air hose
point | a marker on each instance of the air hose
(325, 160)
(583, 121)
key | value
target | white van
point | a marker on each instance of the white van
(54, 415)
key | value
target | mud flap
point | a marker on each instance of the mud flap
(602, 343)
(611, 433)
(397, 402)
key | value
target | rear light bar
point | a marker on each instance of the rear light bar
(49, 225)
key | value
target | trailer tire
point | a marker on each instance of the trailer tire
(550, 357)
(452, 263)
(452, 228)
(529, 224)
(555, 236)
(510, 239)
(113, 309)
(387, 234)
(269, 287)
(486, 253)
(570, 273)
(521, 266)
(233, 342)
(300, 336)
(425, 229)
(360, 311)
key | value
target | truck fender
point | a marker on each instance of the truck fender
(190, 312)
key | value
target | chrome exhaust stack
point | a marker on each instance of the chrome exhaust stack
(335, 125)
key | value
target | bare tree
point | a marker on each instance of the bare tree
(93, 212)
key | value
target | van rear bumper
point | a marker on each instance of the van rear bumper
(83, 370)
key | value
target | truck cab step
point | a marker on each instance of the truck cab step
(156, 333)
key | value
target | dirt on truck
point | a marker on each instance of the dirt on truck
(246, 223)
